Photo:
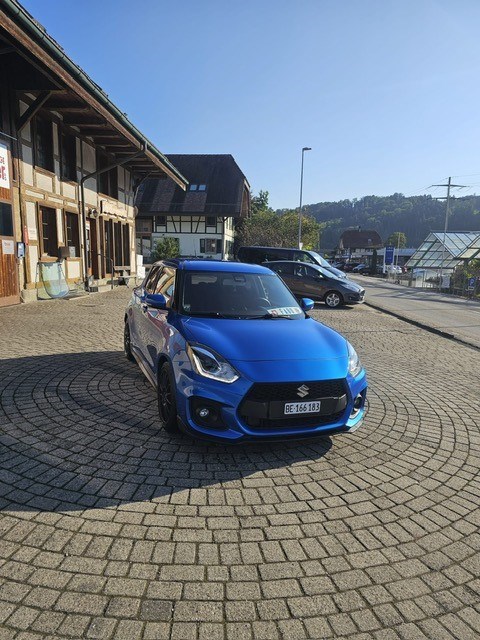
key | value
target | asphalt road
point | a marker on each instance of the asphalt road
(455, 316)
(111, 528)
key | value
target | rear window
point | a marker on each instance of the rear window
(258, 255)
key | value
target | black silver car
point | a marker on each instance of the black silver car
(312, 281)
(261, 255)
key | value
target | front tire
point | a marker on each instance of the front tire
(167, 404)
(333, 299)
(127, 344)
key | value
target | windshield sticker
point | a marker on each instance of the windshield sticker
(285, 311)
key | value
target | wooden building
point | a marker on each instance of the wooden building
(356, 244)
(70, 162)
(202, 218)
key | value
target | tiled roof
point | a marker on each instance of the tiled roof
(354, 239)
(224, 184)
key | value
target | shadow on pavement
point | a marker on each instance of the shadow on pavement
(80, 431)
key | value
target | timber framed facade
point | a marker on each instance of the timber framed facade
(70, 162)
(201, 219)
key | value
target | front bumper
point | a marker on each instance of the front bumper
(237, 418)
(352, 297)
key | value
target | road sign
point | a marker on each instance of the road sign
(471, 284)
(389, 253)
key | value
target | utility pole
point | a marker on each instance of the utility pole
(449, 186)
(300, 209)
(398, 247)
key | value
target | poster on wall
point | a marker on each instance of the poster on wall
(8, 247)
(4, 172)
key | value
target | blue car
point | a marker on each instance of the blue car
(233, 356)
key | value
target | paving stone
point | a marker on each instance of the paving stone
(112, 528)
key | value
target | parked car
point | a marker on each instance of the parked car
(394, 268)
(234, 357)
(350, 266)
(317, 283)
(361, 268)
(260, 255)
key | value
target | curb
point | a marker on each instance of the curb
(426, 327)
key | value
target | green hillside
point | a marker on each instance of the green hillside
(416, 216)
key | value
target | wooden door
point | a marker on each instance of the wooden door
(8, 272)
(9, 293)
(94, 250)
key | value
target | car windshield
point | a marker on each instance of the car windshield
(326, 273)
(223, 294)
(321, 261)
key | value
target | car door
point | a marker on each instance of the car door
(136, 311)
(156, 328)
(300, 285)
(285, 271)
(316, 285)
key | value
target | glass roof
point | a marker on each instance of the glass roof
(456, 243)
(433, 253)
(472, 251)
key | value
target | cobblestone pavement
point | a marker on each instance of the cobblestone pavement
(110, 528)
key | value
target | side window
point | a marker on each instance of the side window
(302, 256)
(284, 268)
(300, 270)
(255, 256)
(166, 284)
(271, 255)
(149, 285)
(313, 273)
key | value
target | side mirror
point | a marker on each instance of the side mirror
(307, 304)
(155, 300)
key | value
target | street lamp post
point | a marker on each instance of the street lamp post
(301, 193)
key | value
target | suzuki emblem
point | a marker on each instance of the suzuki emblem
(303, 391)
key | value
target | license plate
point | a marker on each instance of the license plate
(292, 408)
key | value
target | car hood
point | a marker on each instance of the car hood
(268, 340)
(350, 285)
(336, 272)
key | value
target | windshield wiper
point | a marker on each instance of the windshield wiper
(211, 314)
(268, 316)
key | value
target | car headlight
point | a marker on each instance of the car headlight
(354, 364)
(211, 365)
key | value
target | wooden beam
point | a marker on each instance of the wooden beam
(80, 120)
(95, 130)
(36, 105)
(66, 109)
(114, 143)
(114, 146)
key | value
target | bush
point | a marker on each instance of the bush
(165, 248)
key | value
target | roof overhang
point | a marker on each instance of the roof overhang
(67, 90)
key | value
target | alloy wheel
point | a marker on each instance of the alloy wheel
(332, 299)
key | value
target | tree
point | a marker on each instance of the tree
(280, 229)
(262, 228)
(259, 203)
(397, 239)
(165, 248)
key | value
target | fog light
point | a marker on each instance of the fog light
(206, 413)
(357, 405)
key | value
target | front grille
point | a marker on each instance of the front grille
(264, 400)
(288, 391)
(298, 422)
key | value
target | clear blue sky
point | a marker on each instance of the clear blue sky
(386, 92)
